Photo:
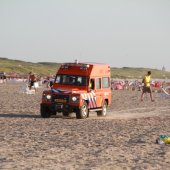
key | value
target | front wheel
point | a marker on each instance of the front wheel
(45, 112)
(103, 112)
(82, 112)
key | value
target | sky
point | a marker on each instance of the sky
(122, 33)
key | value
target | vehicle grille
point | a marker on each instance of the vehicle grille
(60, 98)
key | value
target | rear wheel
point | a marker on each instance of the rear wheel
(103, 112)
(45, 112)
(82, 112)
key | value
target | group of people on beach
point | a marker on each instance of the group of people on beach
(32, 79)
(146, 84)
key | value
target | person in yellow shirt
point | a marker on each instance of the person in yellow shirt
(147, 86)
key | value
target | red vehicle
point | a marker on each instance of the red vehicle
(79, 88)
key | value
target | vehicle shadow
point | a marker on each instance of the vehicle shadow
(31, 116)
(38, 116)
(12, 115)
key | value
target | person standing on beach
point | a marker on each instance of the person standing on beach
(31, 80)
(147, 86)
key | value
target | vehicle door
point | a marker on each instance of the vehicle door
(96, 91)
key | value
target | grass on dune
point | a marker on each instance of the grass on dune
(47, 69)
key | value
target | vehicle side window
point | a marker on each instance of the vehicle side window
(92, 85)
(98, 83)
(105, 82)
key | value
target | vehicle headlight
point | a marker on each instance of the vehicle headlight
(48, 96)
(74, 98)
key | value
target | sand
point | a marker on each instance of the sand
(124, 139)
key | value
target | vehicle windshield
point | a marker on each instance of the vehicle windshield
(71, 80)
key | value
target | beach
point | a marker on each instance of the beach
(124, 139)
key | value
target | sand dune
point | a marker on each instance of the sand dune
(125, 139)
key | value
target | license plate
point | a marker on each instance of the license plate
(59, 106)
(60, 100)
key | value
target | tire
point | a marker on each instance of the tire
(45, 112)
(103, 112)
(82, 112)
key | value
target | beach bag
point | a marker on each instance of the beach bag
(163, 139)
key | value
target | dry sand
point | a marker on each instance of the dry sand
(125, 139)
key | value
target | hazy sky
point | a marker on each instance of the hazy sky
(132, 33)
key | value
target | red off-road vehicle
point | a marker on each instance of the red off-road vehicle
(79, 88)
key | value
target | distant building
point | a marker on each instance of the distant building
(163, 68)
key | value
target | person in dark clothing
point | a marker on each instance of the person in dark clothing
(31, 80)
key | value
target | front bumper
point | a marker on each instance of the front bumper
(59, 107)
